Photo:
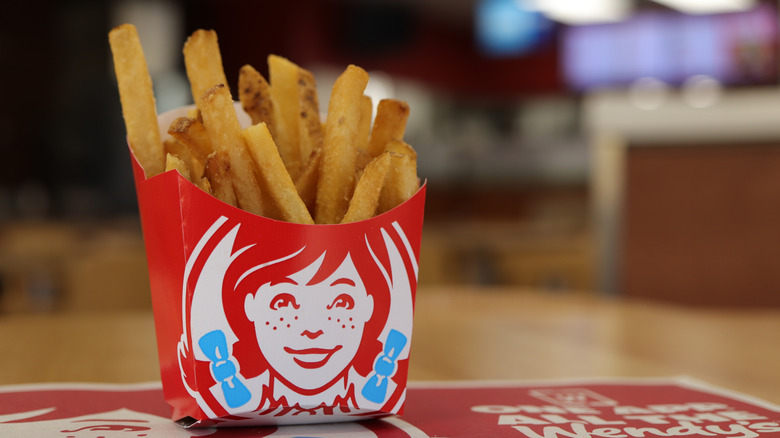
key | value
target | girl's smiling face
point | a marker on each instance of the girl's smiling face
(310, 333)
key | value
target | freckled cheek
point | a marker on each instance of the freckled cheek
(343, 320)
(281, 320)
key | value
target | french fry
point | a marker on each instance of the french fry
(224, 131)
(254, 93)
(194, 113)
(336, 180)
(311, 136)
(283, 76)
(137, 99)
(190, 132)
(220, 180)
(179, 157)
(389, 123)
(402, 181)
(365, 200)
(306, 184)
(363, 158)
(288, 164)
(366, 113)
(179, 152)
(172, 162)
(400, 147)
(194, 161)
(280, 186)
(205, 185)
(203, 63)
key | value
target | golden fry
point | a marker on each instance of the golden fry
(401, 147)
(283, 76)
(172, 162)
(203, 62)
(311, 136)
(205, 185)
(280, 186)
(219, 177)
(195, 164)
(289, 164)
(306, 184)
(192, 147)
(363, 158)
(402, 181)
(137, 99)
(339, 149)
(190, 132)
(254, 93)
(389, 124)
(366, 114)
(366, 197)
(224, 131)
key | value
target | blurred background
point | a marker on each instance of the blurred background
(605, 147)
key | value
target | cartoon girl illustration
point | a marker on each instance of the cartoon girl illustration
(288, 325)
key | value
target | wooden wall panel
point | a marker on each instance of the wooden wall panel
(701, 224)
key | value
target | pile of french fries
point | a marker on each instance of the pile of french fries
(288, 165)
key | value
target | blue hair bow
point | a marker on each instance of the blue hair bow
(375, 389)
(223, 368)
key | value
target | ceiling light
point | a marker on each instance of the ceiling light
(708, 6)
(584, 11)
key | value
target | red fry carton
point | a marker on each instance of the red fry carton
(261, 321)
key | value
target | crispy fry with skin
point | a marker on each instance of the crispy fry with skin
(283, 75)
(224, 131)
(254, 93)
(339, 150)
(220, 180)
(311, 136)
(203, 63)
(311, 139)
(389, 124)
(137, 99)
(365, 200)
(190, 132)
(280, 186)
(402, 181)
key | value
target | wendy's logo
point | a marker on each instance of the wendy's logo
(297, 325)
(321, 323)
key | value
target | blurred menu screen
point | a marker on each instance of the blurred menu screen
(733, 48)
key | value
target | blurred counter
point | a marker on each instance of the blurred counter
(531, 237)
(62, 266)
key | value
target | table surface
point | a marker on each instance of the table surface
(461, 333)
